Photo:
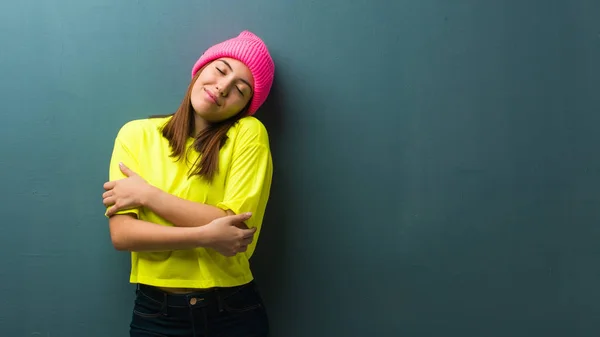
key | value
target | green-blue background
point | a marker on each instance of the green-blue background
(437, 171)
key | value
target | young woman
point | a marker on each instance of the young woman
(187, 195)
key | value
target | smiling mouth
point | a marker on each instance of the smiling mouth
(212, 97)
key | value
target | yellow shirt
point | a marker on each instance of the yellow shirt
(242, 184)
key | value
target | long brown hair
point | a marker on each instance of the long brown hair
(208, 142)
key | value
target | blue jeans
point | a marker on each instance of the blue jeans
(221, 312)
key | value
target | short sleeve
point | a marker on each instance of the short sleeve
(122, 153)
(248, 181)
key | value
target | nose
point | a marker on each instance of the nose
(223, 87)
(220, 90)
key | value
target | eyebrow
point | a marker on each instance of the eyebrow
(241, 79)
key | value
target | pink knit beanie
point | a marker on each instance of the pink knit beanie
(252, 51)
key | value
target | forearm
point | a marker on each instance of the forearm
(181, 212)
(128, 233)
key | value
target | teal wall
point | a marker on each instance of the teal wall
(437, 171)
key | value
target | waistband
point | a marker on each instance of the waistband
(196, 298)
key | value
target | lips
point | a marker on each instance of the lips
(212, 97)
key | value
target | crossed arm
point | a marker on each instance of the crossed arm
(134, 191)
(129, 233)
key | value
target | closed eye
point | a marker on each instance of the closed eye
(238, 88)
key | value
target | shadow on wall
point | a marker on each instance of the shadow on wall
(268, 259)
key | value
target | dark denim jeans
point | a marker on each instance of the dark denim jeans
(222, 312)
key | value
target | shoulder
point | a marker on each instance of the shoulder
(142, 128)
(249, 130)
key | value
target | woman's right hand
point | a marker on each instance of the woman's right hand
(225, 237)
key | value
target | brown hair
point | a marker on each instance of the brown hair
(207, 143)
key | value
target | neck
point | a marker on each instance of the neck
(200, 125)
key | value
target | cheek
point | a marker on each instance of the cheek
(240, 103)
(196, 94)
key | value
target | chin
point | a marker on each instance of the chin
(195, 108)
(199, 108)
(200, 112)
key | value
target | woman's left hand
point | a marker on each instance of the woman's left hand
(125, 193)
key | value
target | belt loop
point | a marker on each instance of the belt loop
(165, 304)
(219, 299)
(137, 289)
